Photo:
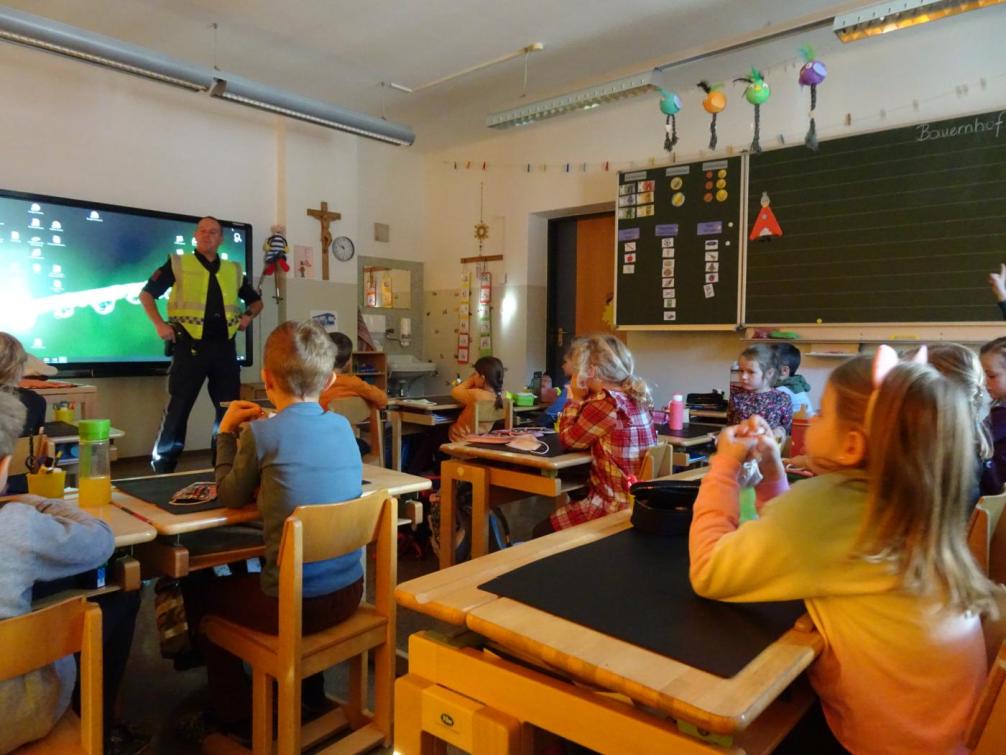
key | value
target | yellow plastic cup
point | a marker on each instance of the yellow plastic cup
(47, 484)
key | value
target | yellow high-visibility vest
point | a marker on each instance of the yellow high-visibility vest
(187, 300)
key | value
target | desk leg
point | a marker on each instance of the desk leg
(410, 739)
(396, 441)
(452, 471)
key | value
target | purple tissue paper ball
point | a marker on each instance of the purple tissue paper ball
(812, 73)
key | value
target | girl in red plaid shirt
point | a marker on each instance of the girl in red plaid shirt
(608, 412)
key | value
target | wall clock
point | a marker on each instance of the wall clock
(343, 249)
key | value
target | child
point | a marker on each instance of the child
(609, 413)
(961, 365)
(757, 396)
(301, 456)
(39, 540)
(346, 386)
(484, 384)
(993, 358)
(550, 416)
(13, 359)
(874, 547)
(787, 357)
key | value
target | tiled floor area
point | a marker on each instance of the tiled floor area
(154, 693)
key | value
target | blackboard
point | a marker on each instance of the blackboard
(898, 226)
(678, 245)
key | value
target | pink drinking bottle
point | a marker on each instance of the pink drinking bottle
(676, 412)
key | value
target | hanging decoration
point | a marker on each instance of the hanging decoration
(276, 249)
(484, 313)
(714, 103)
(812, 73)
(757, 93)
(765, 227)
(464, 312)
(670, 104)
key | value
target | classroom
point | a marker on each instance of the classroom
(449, 183)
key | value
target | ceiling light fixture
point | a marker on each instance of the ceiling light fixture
(582, 99)
(52, 36)
(888, 17)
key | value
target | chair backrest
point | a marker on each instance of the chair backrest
(987, 535)
(657, 462)
(19, 456)
(48, 634)
(358, 411)
(486, 411)
(323, 531)
(986, 732)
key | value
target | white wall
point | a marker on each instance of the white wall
(79, 131)
(926, 64)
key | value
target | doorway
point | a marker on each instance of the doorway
(581, 283)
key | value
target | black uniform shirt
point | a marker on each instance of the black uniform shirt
(215, 322)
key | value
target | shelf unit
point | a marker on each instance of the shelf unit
(371, 366)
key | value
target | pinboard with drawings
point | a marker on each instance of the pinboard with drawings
(678, 246)
(897, 226)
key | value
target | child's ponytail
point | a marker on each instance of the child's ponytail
(491, 369)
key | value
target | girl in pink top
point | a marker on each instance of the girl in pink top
(874, 546)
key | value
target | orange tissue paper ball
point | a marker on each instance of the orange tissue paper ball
(714, 102)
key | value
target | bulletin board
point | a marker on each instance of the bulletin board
(678, 246)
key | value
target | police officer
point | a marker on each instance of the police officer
(203, 317)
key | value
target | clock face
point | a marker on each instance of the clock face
(343, 248)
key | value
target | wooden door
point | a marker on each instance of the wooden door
(595, 274)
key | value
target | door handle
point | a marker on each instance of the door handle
(560, 336)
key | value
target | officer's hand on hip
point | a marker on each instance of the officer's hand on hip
(238, 413)
(165, 332)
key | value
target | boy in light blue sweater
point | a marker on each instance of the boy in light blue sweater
(300, 456)
(39, 540)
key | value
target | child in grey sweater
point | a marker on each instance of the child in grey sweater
(39, 540)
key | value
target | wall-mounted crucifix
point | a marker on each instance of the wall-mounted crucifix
(324, 217)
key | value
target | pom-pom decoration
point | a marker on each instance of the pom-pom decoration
(812, 73)
(757, 93)
(670, 104)
(714, 103)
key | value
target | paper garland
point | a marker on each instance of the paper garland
(464, 312)
(485, 314)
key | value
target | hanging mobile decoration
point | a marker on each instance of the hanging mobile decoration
(757, 93)
(812, 73)
(670, 104)
(715, 102)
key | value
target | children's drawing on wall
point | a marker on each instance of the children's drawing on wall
(303, 261)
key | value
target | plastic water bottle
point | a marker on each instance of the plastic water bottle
(94, 479)
(676, 412)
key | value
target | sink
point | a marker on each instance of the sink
(403, 369)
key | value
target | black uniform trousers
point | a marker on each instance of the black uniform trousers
(193, 363)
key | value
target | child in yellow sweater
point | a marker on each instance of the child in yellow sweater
(347, 386)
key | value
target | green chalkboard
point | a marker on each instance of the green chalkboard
(898, 226)
(678, 245)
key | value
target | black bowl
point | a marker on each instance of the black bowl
(664, 507)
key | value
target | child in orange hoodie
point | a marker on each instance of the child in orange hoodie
(346, 386)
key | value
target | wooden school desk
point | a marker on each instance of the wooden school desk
(488, 466)
(422, 413)
(171, 556)
(484, 694)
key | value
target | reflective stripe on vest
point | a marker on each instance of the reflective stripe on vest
(187, 300)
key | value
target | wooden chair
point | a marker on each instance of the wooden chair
(986, 732)
(43, 637)
(486, 411)
(986, 537)
(358, 411)
(316, 533)
(657, 462)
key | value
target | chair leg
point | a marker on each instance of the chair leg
(356, 704)
(262, 696)
(384, 686)
(447, 505)
(289, 715)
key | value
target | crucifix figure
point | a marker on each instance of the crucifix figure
(324, 217)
